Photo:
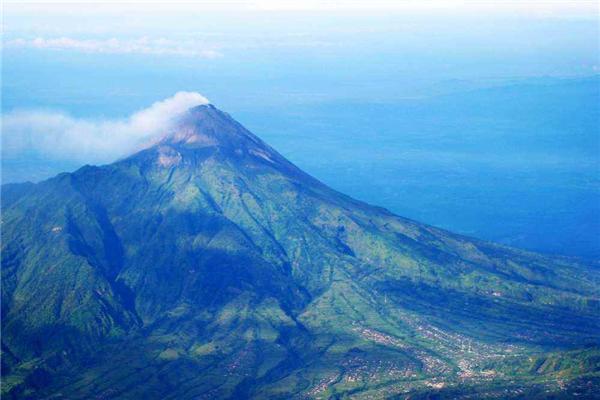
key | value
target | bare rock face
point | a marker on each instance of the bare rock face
(168, 157)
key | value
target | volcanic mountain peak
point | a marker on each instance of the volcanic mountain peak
(209, 266)
(205, 130)
(205, 126)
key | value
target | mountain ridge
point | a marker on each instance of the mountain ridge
(208, 251)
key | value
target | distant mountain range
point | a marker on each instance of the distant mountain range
(207, 266)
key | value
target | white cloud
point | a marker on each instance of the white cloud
(61, 137)
(142, 45)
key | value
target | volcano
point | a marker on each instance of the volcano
(207, 266)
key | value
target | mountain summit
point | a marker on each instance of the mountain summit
(206, 126)
(208, 266)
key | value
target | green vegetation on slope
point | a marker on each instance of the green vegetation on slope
(208, 266)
